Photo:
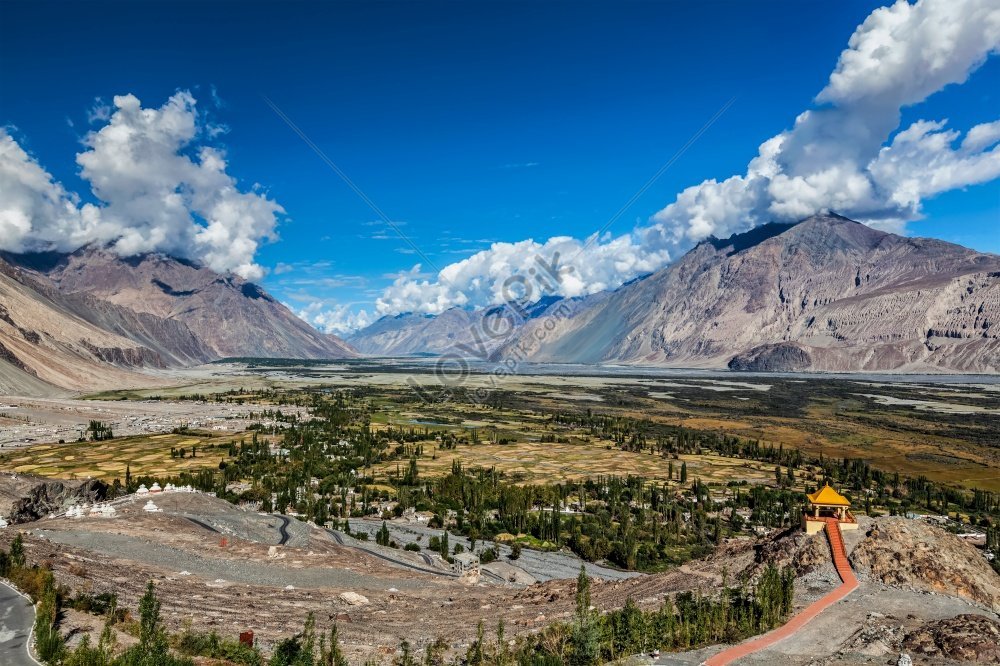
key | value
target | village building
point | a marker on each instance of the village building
(824, 505)
(466, 563)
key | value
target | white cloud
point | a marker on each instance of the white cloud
(336, 319)
(100, 112)
(835, 157)
(582, 267)
(160, 191)
(36, 212)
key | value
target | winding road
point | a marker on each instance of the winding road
(283, 528)
(17, 616)
(202, 524)
(336, 536)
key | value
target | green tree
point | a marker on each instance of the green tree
(298, 650)
(17, 551)
(382, 536)
(476, 654)
(332, 656)
(405, 657)
(585, 638)
(48, 641)
(152, 648)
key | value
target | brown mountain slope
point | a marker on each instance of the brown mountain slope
(824, 294)
(226, 315)
(43, 345)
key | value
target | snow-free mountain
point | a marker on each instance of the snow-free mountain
(825, 294)
(91, 319)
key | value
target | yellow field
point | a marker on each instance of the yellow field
(536, 462)
(107, 460)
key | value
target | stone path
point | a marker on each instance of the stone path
(849, 584)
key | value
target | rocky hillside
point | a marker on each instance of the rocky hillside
(411, 333)
(45, 344)
(912, 554)
(25, 498)
(86, 320)
(230, 316)
(471, 333)
(824, 294)
(964, 638)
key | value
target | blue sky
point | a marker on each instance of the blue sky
(467, 123)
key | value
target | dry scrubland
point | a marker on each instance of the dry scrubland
(254, 583)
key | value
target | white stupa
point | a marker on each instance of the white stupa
(169, 488)
(155, 488)
(150, 507)
(143, 490)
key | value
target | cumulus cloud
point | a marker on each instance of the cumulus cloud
(160, 190)
(336, 319)
(36, 212)
(836, 157)
(562, 266)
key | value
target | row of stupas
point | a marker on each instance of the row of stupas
(169, 488)
(98, 510)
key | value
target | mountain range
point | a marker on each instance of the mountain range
(824, 294)
(91, 319)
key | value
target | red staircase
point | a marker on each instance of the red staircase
(836, 539)
(849, 584)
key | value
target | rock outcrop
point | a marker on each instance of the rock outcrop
(28, 498)
(966, 638)
(781, 357)
(793, 548)
(912, 554)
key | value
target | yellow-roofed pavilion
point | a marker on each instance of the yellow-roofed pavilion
(827, 504)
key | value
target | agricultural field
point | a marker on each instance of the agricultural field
(107, 460)
(947, 429)
(947, 434)
(548, 462)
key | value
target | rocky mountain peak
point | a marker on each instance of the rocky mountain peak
(826, 293)
(91, 309)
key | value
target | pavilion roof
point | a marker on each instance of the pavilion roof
(829, 496)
